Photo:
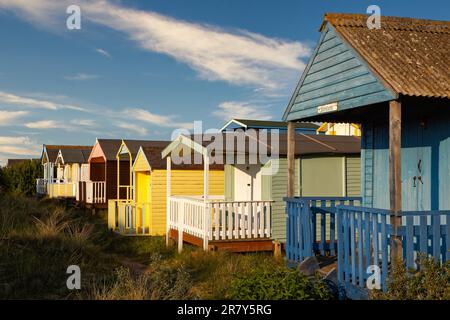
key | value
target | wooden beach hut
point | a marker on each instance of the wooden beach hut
(145, 213)
(54, 173)
(251, 214)
(71, 168)
(102, 184)
(395, 82)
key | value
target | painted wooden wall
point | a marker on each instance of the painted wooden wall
(183, 182)
(335, 73)
(429, 145)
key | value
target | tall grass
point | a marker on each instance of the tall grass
(41, 239)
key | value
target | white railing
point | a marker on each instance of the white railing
(127, 217)
(95, 192)
(41, 186)
(214, 220)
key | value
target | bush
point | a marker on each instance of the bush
(280, 283)
(431, 281)
(21, 178)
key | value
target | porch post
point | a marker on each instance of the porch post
(205, 201)
(395, 176)
(168, 168)
(290, 158)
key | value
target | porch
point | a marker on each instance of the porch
(61, 189)
(359, 238)
(216, 224)
(129, 218)
(91, 192)
(41, 187)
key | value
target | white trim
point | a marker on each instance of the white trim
(187, 142)
(233, 121)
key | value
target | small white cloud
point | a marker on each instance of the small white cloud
(9, 117)
(241, 110)
(82, 77)
(103, 53)
(45, 124)
(15, 140)
(132, 127)
(83, 122)
(13, 99)
(156, 119)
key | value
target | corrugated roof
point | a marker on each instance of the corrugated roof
(304, 144)
(134, 145)
(153, 155)
(76, 155)
(411, 55)
(274, 124)
(53, 150)
(110, 147)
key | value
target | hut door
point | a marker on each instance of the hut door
(415, 165)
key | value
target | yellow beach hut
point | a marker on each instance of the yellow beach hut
(146, 213)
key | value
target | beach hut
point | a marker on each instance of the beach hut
(281, 126)
(127, 154)
(145, 213)
(395, 82)
(71, 168)
(102, 184)
(251, 214)
(53, 175)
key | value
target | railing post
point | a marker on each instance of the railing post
(180, 226)
(206, 226)
(168, 202)
(143, 219)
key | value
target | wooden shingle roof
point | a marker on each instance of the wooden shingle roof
(410, 55)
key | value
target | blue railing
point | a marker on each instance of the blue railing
(364, 240)
(311, 226)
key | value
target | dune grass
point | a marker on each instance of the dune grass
(39, 240)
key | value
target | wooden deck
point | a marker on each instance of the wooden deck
(241, 245)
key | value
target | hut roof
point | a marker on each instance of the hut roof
(410, 55)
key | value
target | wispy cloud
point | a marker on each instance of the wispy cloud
(82, 77)
(24, 101)
(84, 122)
(132, 127)
(238, 57)
(17, 146)
(9, 117)
(46, 124)
(241, 110)
(156, 119)
(103, 52)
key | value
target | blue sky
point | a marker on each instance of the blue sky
(140, 69)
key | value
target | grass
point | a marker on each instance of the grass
(39, 240)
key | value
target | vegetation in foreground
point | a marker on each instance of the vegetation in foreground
(39, 240)
(431, 281)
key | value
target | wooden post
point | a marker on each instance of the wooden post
(290, 158)
(206, 212)
(395, 176)
(168, 168)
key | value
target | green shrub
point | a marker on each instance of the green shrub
(21, 178)
(279, 283)
(431, 281)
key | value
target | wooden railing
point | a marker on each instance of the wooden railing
(127, 217)
(61, 189)
(41, 186)
(95, 192)
(311, 225)
(214, 220)
(364, 240)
